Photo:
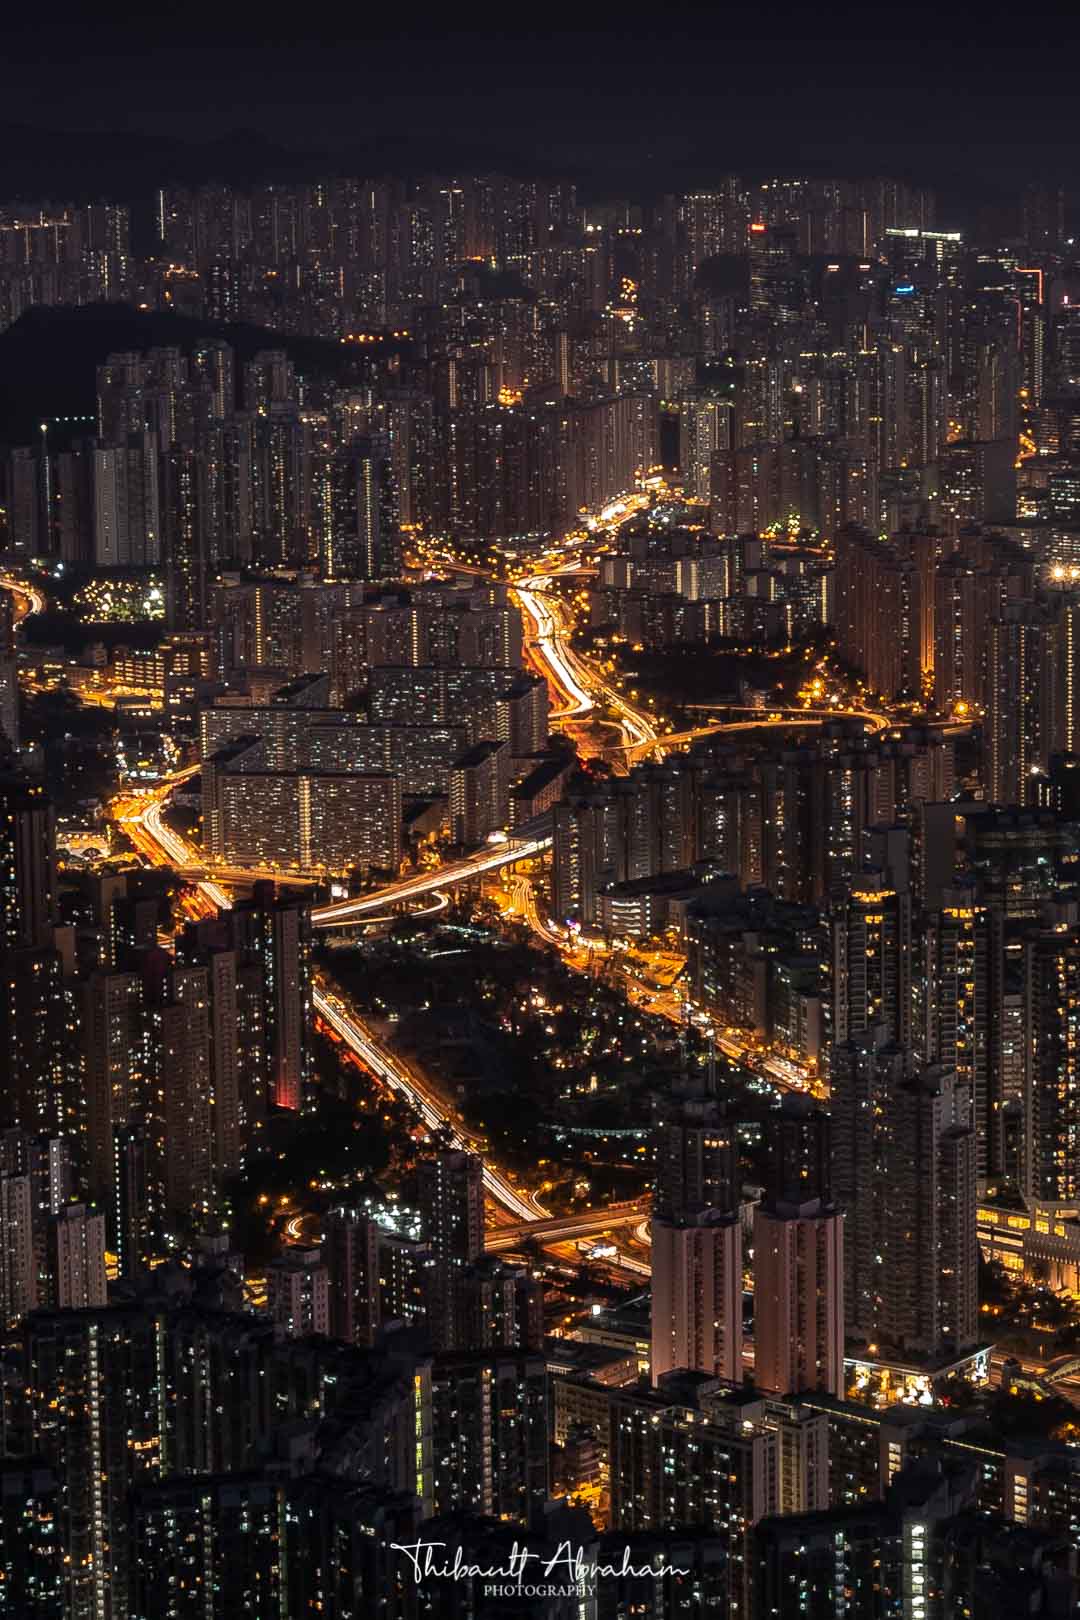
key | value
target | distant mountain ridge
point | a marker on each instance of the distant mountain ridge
(48, 358)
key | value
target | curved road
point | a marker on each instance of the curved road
(769, 717)
(144, 820)
(393, 1072)
(576, 678)
(343, 912)
(29, 598)
(160, 843)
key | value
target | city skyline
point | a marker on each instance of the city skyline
(554, 94)
(539, 822)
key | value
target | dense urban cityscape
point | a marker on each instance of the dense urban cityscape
(539, 899)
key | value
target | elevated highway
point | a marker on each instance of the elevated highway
(558, 1228)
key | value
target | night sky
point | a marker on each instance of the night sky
(974, 107)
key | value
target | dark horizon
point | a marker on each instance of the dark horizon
(640, 114)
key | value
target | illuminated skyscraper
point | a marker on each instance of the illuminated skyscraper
(1024, 693)
(352, 1260)
(864, 1071)
(451, 1189)
(714, 221)
(36, 1016)
(361, 539)
(274, 932)
(186, 544)
(489, 1433)
(1050, 979)
(452, 1206)
(114, 1057)
(706, 424)
(798, 1261)
(697, 1242)
(258, 816)
(297, 1287)
(18, 1258)
(905, 1170)
(953, 1016)
(930, 1257)
(695, 1158)
(697, 1294)
(871, 930)
(884, 623)
(176, 1025)
(9, 674)
(480, 792)
(679, 1459)
(27, 865)
(127, 524)
(137, 1202)
(76, 1259)
(32, 1560)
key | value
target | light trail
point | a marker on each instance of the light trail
(678, 1010)
(545, 642)
(557, 1228)
(179, 852)
(524, 901)
(343, 912)
(383, 1063)
(148, 832)
(168, 848)
(779, 718)
(441, 902)
(32, 598)
(145, 815)
(576, 679)
(624, 1262)
(583, 1224)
